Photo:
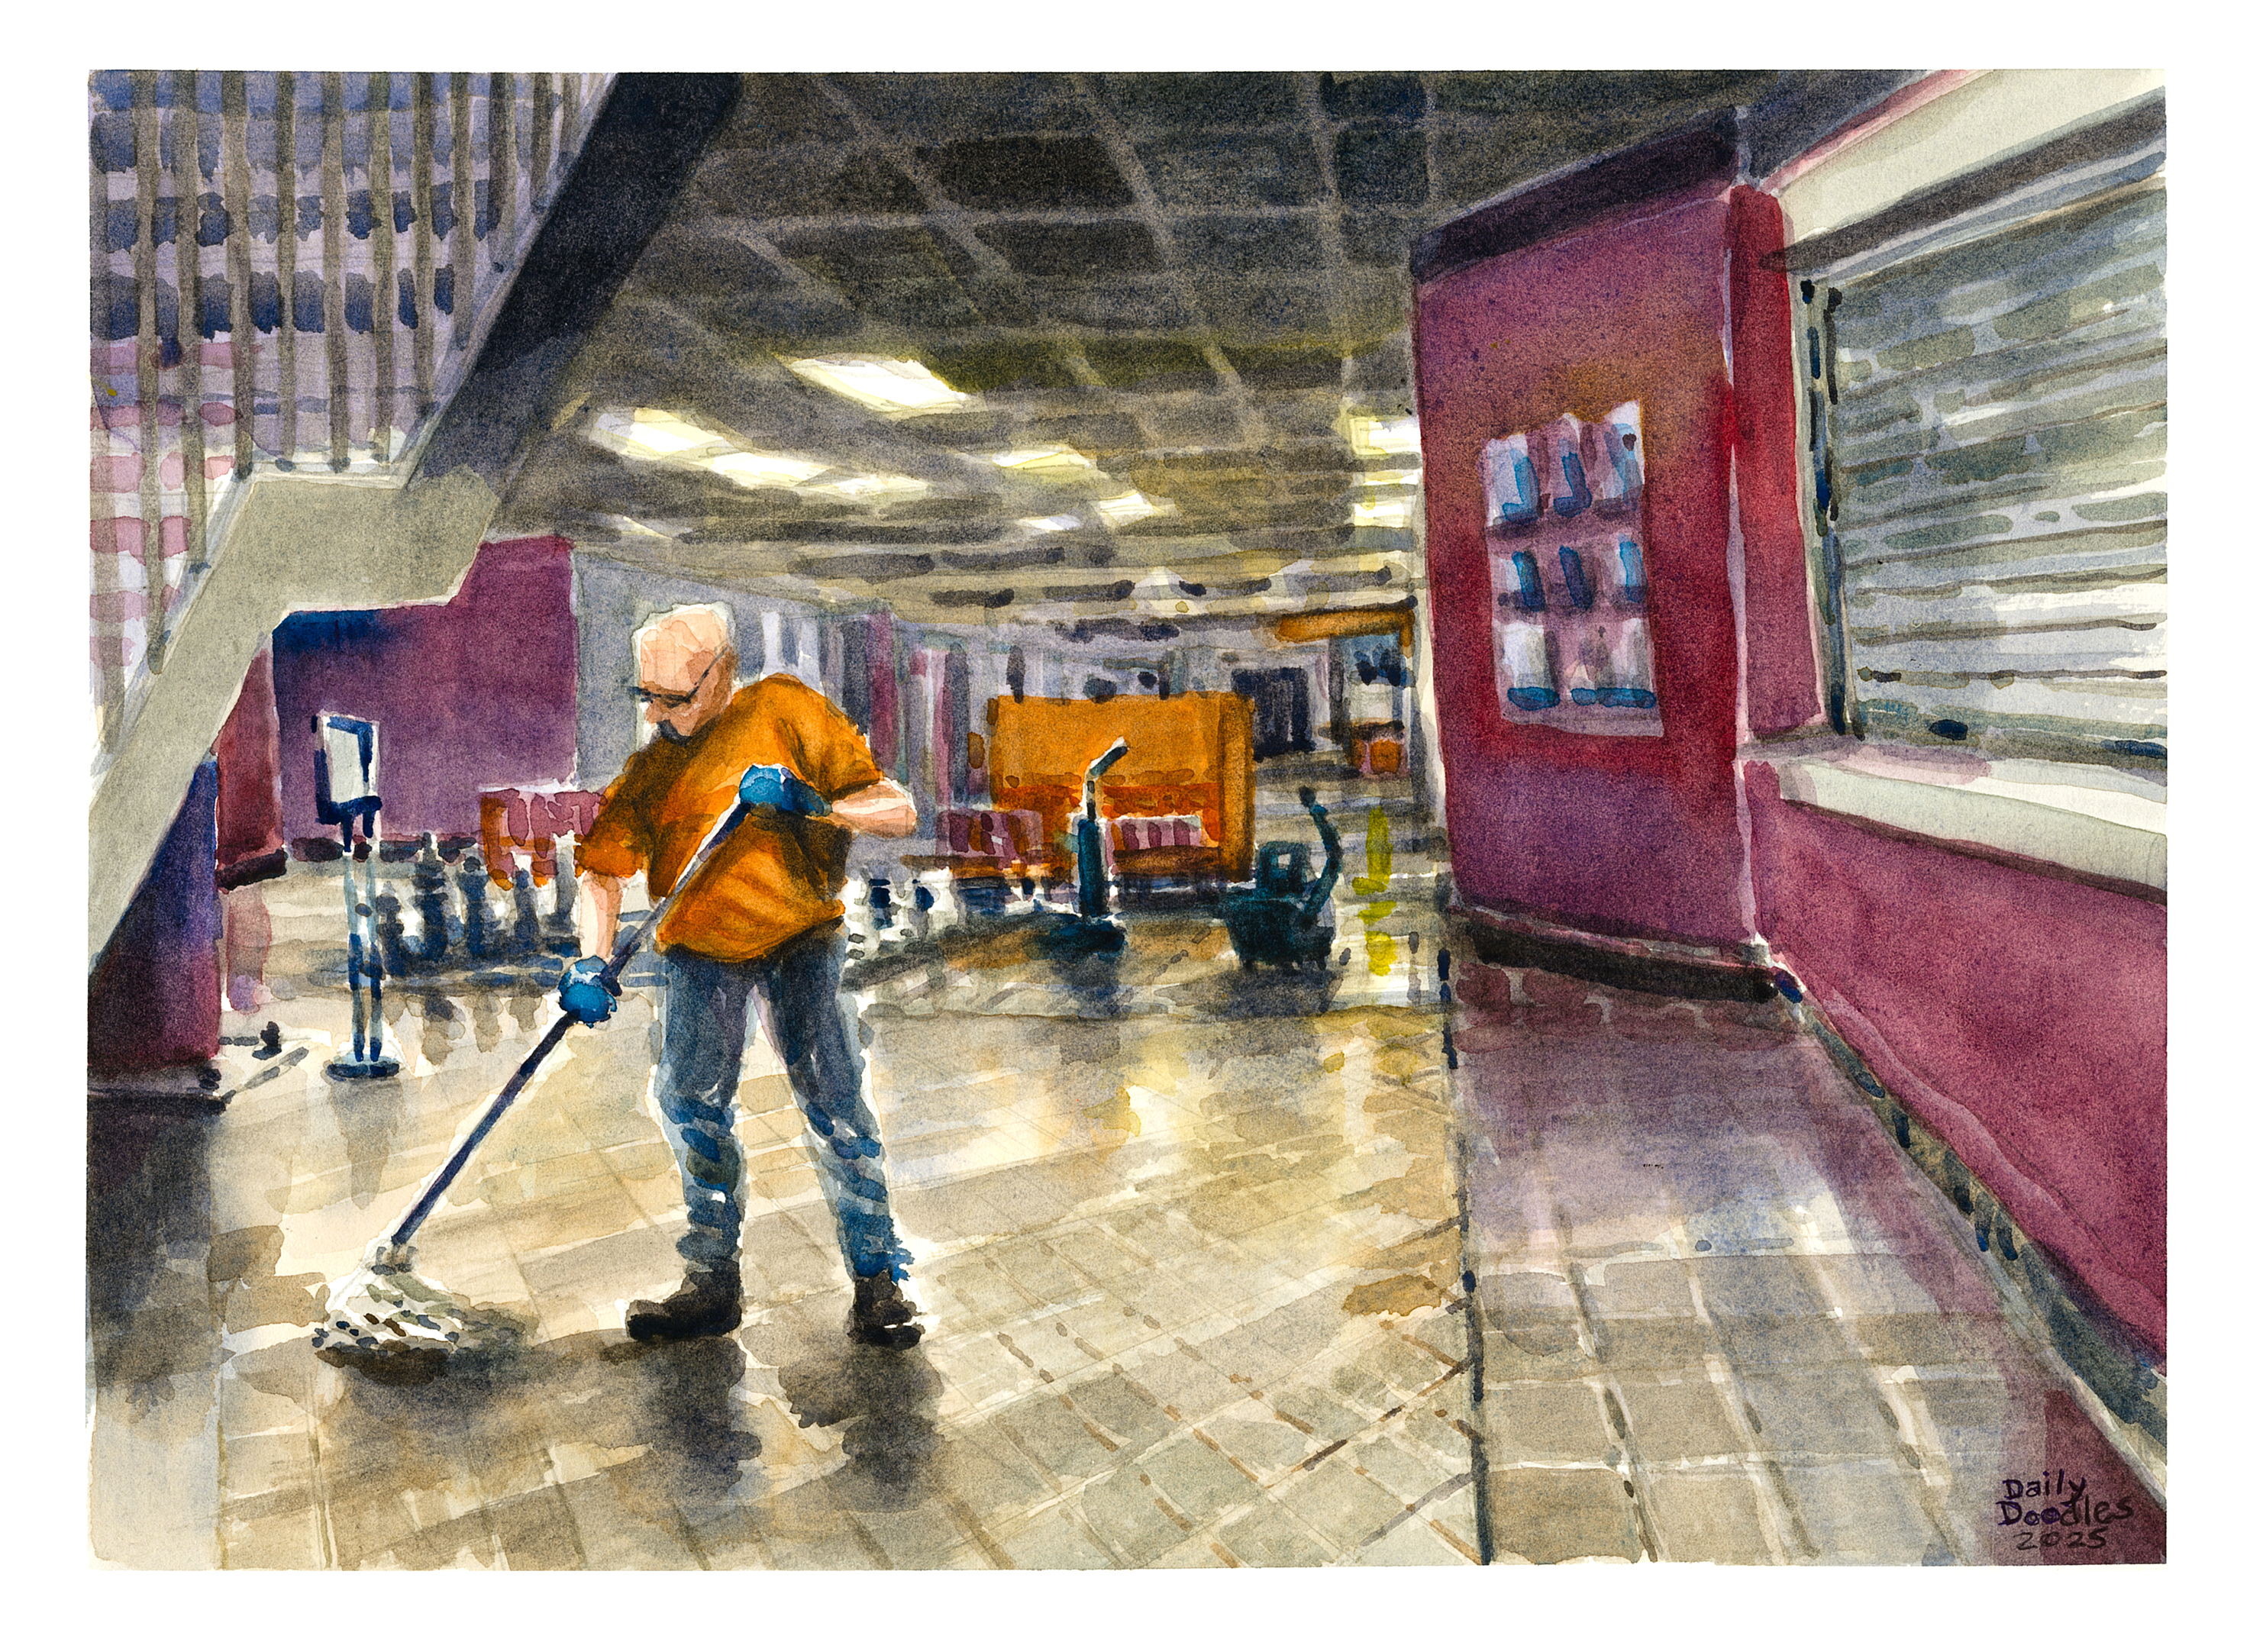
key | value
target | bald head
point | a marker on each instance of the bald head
(684, 666)
(683, 637)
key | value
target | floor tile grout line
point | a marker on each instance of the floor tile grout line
(1629, 1467)
(1263, 1490)
(1412, 1511)
(1784, 1527)
(1885, 1394)
(1473, 1334)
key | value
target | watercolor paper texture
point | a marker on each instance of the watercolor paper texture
(1158, 819)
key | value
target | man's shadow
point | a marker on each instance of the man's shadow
(685, 1405)
(504, 1420)
(884, 1400)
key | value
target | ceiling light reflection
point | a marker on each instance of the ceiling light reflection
(1131, 507)
(765, 470)
(861, 487)
(1052, 456)
(657, 431)
(884, 385)
(1370, 437)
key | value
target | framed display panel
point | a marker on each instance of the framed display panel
(1571, 601)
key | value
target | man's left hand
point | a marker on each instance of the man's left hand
(775, 786)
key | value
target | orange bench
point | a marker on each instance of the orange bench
(1191, 756)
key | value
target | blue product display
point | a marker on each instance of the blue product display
(1529, 595)
(1512, 488)
(1571, 646)
(1630, 571)
(1575, 577)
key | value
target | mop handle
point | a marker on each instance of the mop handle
(623, 951)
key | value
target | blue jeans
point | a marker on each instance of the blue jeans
(703, 1037)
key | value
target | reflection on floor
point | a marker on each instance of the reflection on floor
(1197, 1248)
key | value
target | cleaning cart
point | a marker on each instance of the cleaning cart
(1284, 918)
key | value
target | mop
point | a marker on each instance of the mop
(387, 1321)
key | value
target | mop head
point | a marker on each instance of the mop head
(387, 1321)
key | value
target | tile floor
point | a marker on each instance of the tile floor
(1193, 1245)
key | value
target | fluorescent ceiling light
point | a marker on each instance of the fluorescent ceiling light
(1370, 437)
(862, 487)
(658, 432)
(1052, 524)
(1051, 458)
(885, 386)
(1392, 478)
(1386, 513)
(629, 527)
(1129, 507)
(766, 470)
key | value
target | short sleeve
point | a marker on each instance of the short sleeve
(618, 845)
(835, 760)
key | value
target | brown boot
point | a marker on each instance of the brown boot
(706, 1305)
(882, 1315)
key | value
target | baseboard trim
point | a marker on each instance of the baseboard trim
(2105, 1365)
(1636, 966)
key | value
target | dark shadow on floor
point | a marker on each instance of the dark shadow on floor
(884, 1400)
(1239, 994)
(148, 1233)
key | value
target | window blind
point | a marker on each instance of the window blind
(1990, 421)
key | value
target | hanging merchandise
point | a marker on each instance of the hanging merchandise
(1527, 683)
(1632, 590)
(1564, 481)
(1571, 596)
(1631, 667)
(1614, 455)
(1575, 577)
(1512, 490)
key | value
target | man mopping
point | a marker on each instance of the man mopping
(764, 915)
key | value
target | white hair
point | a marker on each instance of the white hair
(708, 623)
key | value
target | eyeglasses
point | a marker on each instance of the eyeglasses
(672, 702)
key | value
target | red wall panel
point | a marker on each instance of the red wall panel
(468, 694)
(1783, 688)
(2022, 1016)
(1620, 835)
(251, 782)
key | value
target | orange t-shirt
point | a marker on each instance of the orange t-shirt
(777, 876)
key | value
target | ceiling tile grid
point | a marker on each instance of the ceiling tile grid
(1157, 324)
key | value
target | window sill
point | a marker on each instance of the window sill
(2098, 822)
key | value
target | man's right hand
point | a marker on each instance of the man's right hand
(585, 993)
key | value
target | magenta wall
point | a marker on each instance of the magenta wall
(2022, 1017)
(2018, 1013)
(1619, 836)
(153, 999)
(468, 694)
